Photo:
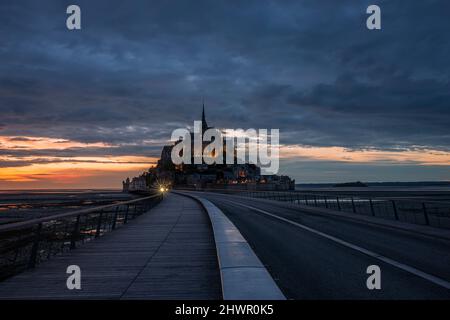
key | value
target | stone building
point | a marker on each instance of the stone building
(203, 175)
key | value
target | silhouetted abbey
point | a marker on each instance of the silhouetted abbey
(236, 176)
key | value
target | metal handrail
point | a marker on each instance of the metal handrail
(31, 222)
(425, 212)
(331, 195)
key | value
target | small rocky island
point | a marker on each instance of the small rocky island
(357, 184)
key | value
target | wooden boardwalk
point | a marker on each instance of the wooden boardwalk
(167, 253)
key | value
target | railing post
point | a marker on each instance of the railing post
(126, 214)
(150, 204)
(115, 218)
(49, 253)
(306, 199)
(326, 202)
(338, 204)
(395, 209)
(35, 247)
(75, 232)
(315, 200)
(425, 214)
(99, 224)
(353, 206)
(371, 208)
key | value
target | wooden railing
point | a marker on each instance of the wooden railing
(25, 244)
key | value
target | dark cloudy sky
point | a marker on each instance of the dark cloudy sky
(351, 104)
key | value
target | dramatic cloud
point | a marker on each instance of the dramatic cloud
(139, 69)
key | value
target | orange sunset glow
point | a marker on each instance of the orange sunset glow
(37, 171)
(34, 171)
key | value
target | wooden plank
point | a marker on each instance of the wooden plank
(167, 253)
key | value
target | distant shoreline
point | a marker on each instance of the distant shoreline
(61, 190)
(382, 184)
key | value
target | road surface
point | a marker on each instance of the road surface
(322, 257)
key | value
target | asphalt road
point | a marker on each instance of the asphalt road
(321, 257)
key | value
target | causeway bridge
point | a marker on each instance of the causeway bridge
(231, 245)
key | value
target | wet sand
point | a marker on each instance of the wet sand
(21, 205)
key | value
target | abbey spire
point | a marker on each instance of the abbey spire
(204, 123)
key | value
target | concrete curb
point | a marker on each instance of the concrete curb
(243, 275)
